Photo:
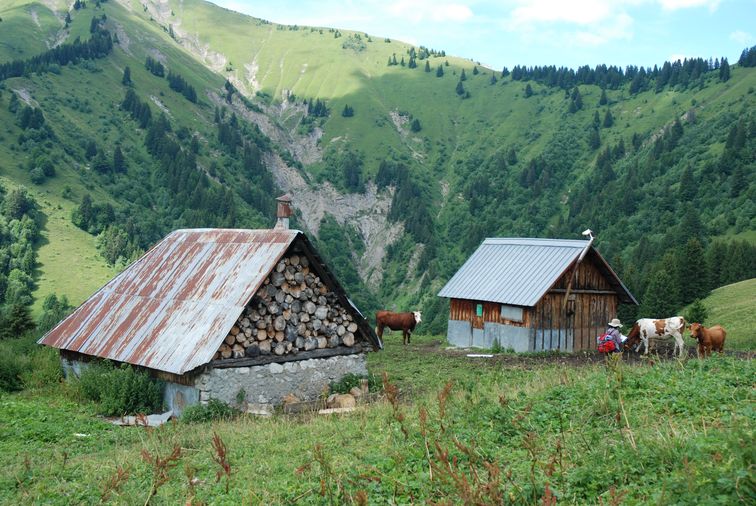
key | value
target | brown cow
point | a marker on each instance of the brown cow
(709, 339)
(405, 322)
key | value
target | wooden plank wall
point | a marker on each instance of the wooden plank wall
(589, 277)
(592, 313)
(464, 310)
(550, 322)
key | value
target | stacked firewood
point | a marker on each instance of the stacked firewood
(292, 312)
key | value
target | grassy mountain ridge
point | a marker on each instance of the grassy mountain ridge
(505, 157)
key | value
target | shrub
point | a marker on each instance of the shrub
(696, 312)
(213, 410)
(91, 378)
(11, 367)
(496, 347)
(43, 368)
(351, 380)
(15, 362)
(122, 390)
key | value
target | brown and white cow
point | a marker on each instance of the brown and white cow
(711, 338)
(405, 322)
(649, 328)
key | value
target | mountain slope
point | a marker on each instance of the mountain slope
(400, 191)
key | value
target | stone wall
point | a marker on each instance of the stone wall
(269, 384)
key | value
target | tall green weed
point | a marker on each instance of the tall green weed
(121, 390)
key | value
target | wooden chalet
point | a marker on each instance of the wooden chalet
(533, 295)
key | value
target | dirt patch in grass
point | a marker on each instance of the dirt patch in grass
(662, 351)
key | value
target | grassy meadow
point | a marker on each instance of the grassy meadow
(451, 430)
(734, 308)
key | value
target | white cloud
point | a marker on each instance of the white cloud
(741, 37)
(418, 11)
(595, 22)
(672, 5)
(618, 28)
(580, 12)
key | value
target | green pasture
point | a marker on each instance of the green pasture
(463, 430)
(734, 308)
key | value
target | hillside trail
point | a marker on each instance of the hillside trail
(662, 352)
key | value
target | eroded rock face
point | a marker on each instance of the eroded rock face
(366, 212)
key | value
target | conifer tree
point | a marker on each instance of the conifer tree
(462, 76)
(696, 313)
(603, 100)
(608, 119)
(439, 71)
(427, 66)
(13, 103)
(724, 70)
(691, 271)
(119, 162)
(460, 89)
(577, 99)
(661, 296)
(594, 139)
(475, 70)
(126, 81)
(687, 184)
(528, 91)
(17, 322)
(100, 163)
(91, 150)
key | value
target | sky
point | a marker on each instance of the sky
(536, 32)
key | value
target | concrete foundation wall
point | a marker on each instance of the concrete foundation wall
(554, 339)
(270, 383)
(72, 368)
(177, 397)
(462, 335)
(516, 338)
(459, 333)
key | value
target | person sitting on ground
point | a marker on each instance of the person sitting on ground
(613, 329)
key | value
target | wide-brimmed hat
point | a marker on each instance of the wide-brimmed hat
(615, 323)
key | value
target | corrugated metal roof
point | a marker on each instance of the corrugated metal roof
(516, 271)
(171, 309)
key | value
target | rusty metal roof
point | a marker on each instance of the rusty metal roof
(520, 271)
(171, 309)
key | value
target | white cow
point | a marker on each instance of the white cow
(646, 328)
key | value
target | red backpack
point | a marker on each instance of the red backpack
(606, 344)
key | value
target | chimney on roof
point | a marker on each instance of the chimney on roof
(283, 212)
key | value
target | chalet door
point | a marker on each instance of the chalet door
(569, 343)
